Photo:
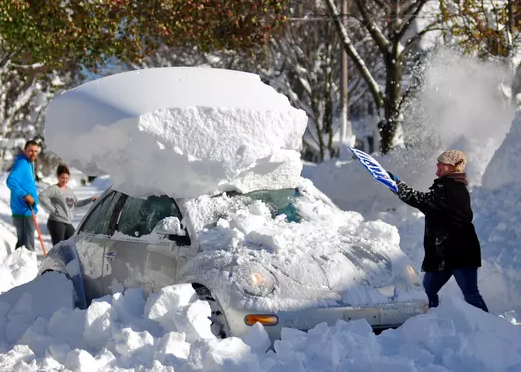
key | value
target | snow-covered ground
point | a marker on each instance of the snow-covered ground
(40, 331)
(169, 330)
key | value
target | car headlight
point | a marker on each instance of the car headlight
(412, 276)
(255, 280)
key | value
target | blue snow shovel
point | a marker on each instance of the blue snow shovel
(375, 169)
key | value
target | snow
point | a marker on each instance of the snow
(17, 269)
(504, 169)
(317, 254)
(127, 332)
(170, 225)
(190, 317)
(239, 135)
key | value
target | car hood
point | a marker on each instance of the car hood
(322, 257)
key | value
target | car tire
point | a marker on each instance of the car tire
(219, 324)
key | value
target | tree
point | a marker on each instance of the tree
(54, 32)
(25, 91)
(389, 24)
(305, 65)
(491, 29)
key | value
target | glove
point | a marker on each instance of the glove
(29, 200)
(393, 176)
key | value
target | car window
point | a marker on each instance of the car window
(99, 220)
(139, 216)
(278, 201)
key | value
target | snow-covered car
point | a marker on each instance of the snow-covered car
(284, 258)
(256, 240)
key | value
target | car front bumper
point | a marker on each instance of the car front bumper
(379, 317)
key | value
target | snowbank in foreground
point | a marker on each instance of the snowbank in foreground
(179, 131)
(18, 268)
(170, 331)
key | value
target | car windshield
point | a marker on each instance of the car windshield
(278, 201)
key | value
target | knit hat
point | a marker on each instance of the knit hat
(454, 157)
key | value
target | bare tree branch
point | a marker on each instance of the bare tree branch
(406, 25)
(382, 4)
(433, 26)
(408, 8)
(373, 28)
(359, 63)
(5, 60)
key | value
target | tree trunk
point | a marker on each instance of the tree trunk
(393, 85)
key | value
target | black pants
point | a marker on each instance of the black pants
(59, 231)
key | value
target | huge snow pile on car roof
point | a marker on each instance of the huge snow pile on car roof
(181, 131)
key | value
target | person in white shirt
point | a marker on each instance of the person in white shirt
(59, 200)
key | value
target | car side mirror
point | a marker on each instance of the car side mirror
(169, 226)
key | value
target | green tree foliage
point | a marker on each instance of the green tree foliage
(491, 28)
(87, 32)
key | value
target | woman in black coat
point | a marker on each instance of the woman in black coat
(450, 241)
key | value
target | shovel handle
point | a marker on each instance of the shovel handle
(38, 230)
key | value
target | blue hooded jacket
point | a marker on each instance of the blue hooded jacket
(21, 182)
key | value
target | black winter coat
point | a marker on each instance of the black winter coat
(450, 239)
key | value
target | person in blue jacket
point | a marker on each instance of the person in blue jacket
(21, 182)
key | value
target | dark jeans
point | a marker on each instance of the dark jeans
(24, 232)
(467, 279)
(59, 231)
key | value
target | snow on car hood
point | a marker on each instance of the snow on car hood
(313, 252)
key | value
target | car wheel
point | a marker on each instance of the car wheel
(219, 324)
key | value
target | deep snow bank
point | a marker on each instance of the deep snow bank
(498, 222)
(170, 331)
(180, 131)
(17, 268)
(504, 167)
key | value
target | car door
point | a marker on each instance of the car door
(90, 240)
(136, 256)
